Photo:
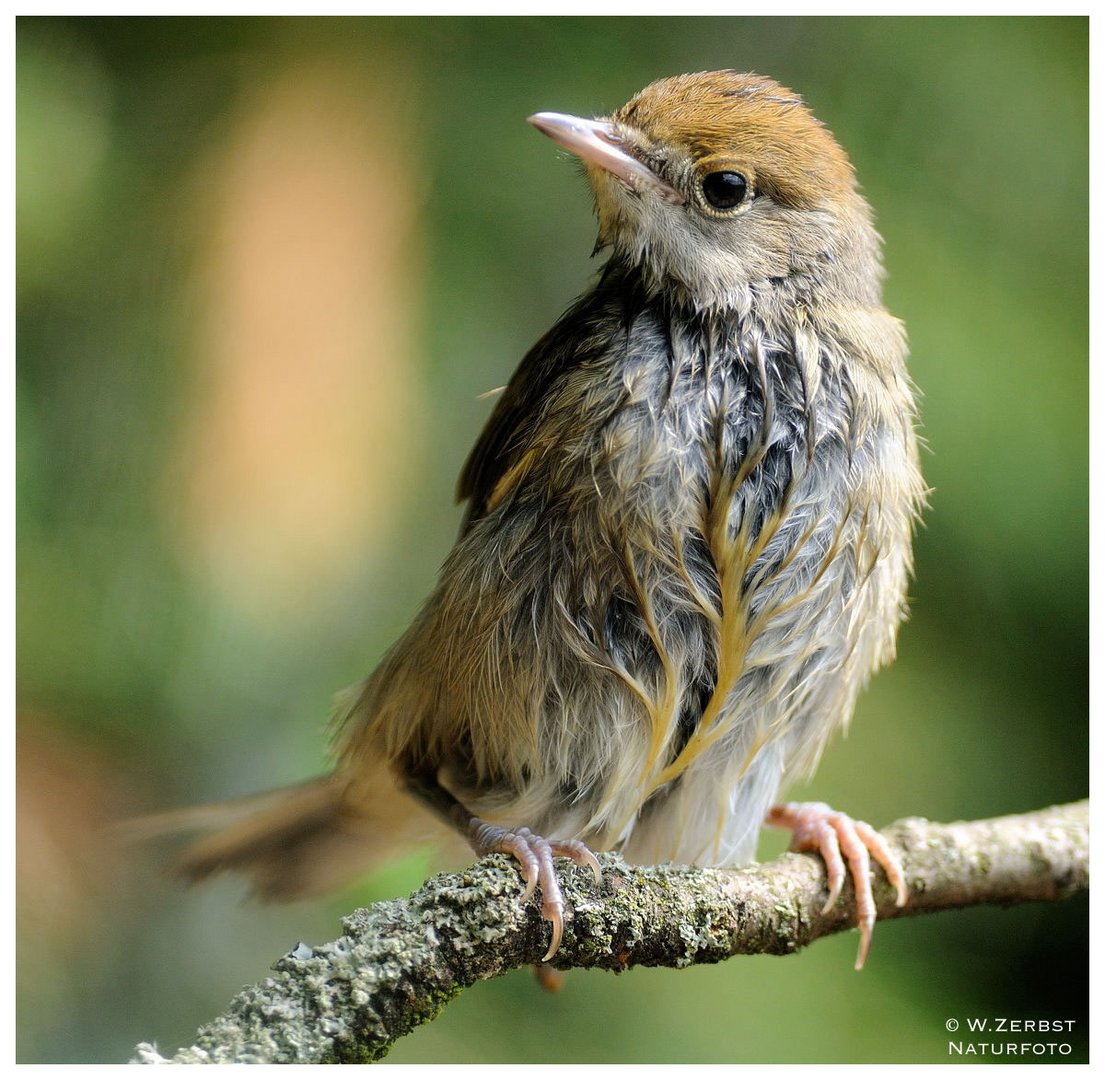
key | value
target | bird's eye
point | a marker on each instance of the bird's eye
(724, 190)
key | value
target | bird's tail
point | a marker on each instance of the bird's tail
(297, 841)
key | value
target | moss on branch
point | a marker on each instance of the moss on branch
(399, 962)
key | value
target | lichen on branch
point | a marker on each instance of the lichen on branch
(400, 961)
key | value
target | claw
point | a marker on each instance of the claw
(885, 858)
(839, 839)
(580, 854)
(535, 856)
(554, 914)
(866, 928)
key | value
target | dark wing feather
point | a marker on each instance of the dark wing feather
(618, 294)
(497, 448)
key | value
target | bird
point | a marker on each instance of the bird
(686, 540)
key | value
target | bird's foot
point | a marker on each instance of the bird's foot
(839, 838)
(535, 855)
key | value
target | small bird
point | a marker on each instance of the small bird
(687, 540)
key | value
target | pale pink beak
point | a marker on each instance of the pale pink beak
(597, 142)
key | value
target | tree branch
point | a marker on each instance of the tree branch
(399, 962)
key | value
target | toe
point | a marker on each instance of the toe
(859, 862)
(828, 844)
(535, 857)
(580, 854)
(879, 848)
(842, 840)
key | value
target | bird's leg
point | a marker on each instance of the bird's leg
(839, 839)
(534, 853)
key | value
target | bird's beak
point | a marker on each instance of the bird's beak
(597, 142)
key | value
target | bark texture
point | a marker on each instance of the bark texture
(399, 962)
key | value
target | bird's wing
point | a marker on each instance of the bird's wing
(500, 445)
(499, 453)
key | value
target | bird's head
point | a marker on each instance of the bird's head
(721, 186)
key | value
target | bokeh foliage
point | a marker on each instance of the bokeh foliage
(210, 545)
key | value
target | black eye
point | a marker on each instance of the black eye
(724, 190)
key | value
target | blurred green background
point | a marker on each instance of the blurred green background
(265, 269)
